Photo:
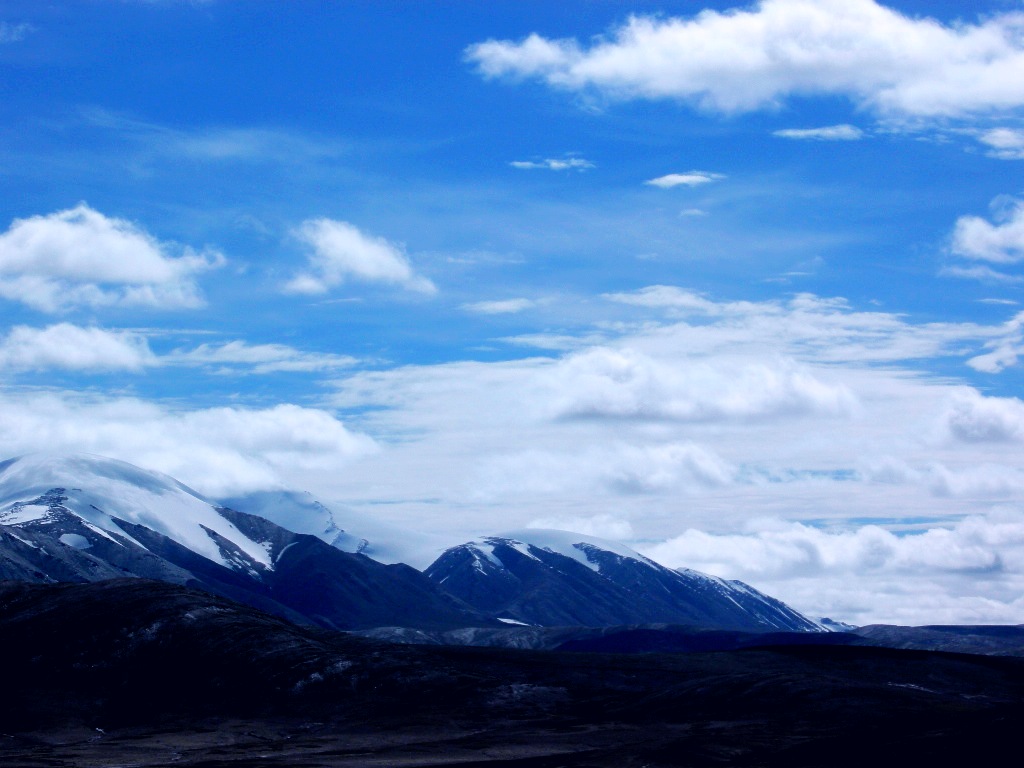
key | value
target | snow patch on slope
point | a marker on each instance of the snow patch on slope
(574, 545)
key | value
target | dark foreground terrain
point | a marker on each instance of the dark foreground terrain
(140, 673)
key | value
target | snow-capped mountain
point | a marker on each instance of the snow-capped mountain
(88, 500)
(88, 518)
(556, 578)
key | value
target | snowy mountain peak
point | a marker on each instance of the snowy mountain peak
(94, 496)
(586, 550)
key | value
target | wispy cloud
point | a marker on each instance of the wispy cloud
(1005, 350)
(828, 133)
(554, 164)
(65, 346)
(499, 307)
(980, 273)
(239, 356)
(13, 33)
(216, 143)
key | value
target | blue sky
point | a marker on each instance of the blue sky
(737, 285)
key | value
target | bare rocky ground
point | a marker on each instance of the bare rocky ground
(137, 673)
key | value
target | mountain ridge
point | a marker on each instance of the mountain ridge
(557, 578)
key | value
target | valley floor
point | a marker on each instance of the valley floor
(311, 744)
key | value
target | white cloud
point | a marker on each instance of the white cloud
(688, 179)
(1001, 242)
(218, 451)
(1003, 356)
(71, 347)
(747, 59)
(74, 348)
(969, 571)
(828, 133)
(500, 307)
(625, 383)
(618, 468)
(1005, 143)
(981, 481)
(666, 296)
(974, 418)
(79, 257)
(259, 358)
(554, 164)
(1004, 350)
(342, 252)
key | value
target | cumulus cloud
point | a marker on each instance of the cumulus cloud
(500, 307)
(74, 348)
(747, 59)
(999, 242)
(1004, 143)
(554, 164)
(342, 252)
(218, 451)
(688, 179)
(79, 257)
(258, 358)
(828, 133)
(975, 418)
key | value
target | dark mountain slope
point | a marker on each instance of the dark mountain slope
(555, 578)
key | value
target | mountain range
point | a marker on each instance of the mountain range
(83, 518)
